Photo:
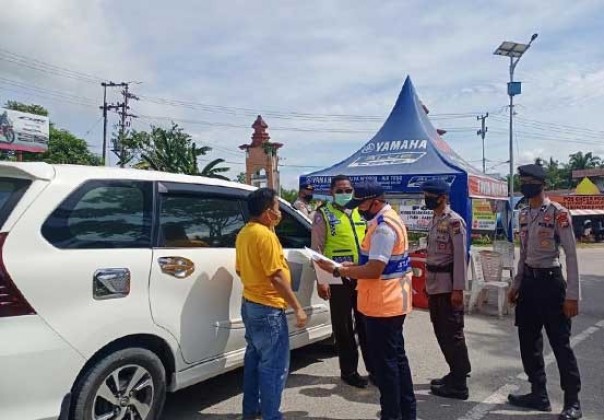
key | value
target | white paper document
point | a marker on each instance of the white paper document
(323, 277)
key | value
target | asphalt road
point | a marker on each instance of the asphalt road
(314, 390)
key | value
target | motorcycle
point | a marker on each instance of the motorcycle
(8, 134)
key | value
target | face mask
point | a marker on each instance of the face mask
(367, 214)
(278, 217)
(431, 202)
(342, 199)
(308, 197)
(531, 190)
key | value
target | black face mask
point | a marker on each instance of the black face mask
(431, 202)
(308, 197)
(367, 214)
(531, 190)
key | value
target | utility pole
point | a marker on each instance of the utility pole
(482, 133)
(108, 107)
(122, 110)
(104, 108)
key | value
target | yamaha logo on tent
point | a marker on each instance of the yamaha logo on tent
(369, 147)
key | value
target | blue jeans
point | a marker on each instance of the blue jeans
(391, 367)
(266, 360)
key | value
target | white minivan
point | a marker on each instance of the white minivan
(118, 285)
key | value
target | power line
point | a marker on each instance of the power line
(559, 128)
(30, 88)
(93, 126)
(42, 66)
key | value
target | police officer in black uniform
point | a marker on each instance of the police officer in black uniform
(543, 298)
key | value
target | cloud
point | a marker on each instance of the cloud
(315, 57)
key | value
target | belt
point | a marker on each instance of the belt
(540, 270)
(440, 268)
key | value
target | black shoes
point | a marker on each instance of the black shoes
(571, 412)
(373, 380)
(534, 401)
(355, 380)
(450, 388)
(440, 381)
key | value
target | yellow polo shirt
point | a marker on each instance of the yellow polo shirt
(259, 255)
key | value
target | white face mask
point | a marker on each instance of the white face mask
(277, 220)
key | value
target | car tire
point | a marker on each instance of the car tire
(132, 379)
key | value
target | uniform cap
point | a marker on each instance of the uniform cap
(533, 170)
(308, 187)
(437, 186)
(364, 191)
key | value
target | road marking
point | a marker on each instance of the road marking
(500, 396)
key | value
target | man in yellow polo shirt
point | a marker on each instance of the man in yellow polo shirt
(267, 292)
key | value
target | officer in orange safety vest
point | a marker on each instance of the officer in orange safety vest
(384, 297)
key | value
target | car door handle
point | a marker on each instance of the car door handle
(111, 283)
(178, 267)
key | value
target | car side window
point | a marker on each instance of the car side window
(198, 220)
(103, 214)
(292, 232)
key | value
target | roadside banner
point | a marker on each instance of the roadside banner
(483, 216)
(22, 131)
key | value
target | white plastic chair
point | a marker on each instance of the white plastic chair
(506, 249)
(486, 270)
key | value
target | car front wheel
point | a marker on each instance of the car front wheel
(129, 384)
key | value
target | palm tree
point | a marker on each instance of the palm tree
(584, 161)
(171, 150)
(212, 170)
(578, 161)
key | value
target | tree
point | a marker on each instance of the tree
(583, 161)
(212, 171)
(63, 146)
(241, 178)
(516, 182)
(557, 174)
(170, 150)
(289, 195)
(30, 108)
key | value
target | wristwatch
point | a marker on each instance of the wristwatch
(336, 272)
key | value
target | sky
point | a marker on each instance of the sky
(323, 74)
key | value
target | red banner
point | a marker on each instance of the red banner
(483, 187)
(580, 202)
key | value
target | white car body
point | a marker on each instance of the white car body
(193, 323)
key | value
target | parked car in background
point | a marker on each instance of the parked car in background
(118, 285)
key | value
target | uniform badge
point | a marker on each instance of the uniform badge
(545, 243)
(547, 218)
(544, 234)
(443, 226)
(562, 220)
(442, 246)
(523, 218)
(456, 227)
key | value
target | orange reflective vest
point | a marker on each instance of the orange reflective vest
(391, 294)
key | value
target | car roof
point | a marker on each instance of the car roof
(41, 170)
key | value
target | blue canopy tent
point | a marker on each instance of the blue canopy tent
(406, 152)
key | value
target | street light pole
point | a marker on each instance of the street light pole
(515, 51)
(511, 187)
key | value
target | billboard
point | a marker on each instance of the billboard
(23, 132)
(483, 216)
